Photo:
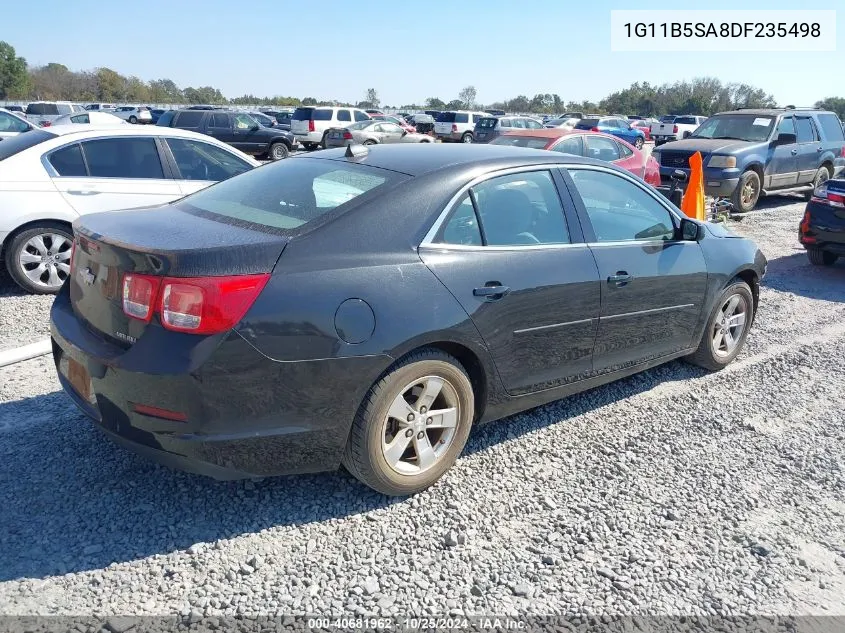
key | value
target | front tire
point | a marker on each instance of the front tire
(369, 141)
(747, 192)
(38, 259)
(726, 329)
(412, 426)
(638, 143)
(819, 257)
(278, 151)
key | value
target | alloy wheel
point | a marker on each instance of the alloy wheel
(420, 425)
(729, 326)
(45, 260)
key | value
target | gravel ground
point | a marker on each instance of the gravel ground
(671, 492)
(23, 317)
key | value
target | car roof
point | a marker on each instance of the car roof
(88, 130)
(556, 132)
(772, 111)
(418, 159)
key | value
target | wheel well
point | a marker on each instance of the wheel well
(829, 166)
(471, 364)
(750, 277)
(23, 227)
(759, 170)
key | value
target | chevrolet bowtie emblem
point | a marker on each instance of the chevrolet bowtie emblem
(87, 276)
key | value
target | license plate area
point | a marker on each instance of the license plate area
(79, 378)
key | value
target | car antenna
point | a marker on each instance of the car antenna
(356, 151)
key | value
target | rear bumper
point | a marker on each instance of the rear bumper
(309, 137)
(450, 137)
(247, 415)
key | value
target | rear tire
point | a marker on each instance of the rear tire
(821, 177)
(466, 138)
(24, 255)
(819, 257)
(133, 119)
(398, 447)
(638, 143)
(747, 192)
(727, 328)
(369, 141)
(323, 144)
(278, 151)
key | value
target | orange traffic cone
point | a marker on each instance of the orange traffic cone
(693, 200)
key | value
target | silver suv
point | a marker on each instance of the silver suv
(491, 127)
(457, 125)
(311, 124)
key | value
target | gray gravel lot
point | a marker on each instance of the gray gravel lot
(671, 492)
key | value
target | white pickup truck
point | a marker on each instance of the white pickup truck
(675, 128)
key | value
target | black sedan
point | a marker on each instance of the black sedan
(369, 306)
(822, 229)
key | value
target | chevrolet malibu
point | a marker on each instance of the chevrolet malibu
(369, 306)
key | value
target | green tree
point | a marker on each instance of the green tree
(834, 104)
(110, 85)
(136, 90)
(433, 103)
(455, 104)
(165, 91)
(14, 79)
(309, 101)
(372, 99)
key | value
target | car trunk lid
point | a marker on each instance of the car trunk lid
(160, 242)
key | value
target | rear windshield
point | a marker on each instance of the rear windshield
(446, 117)
(15, 144)
(667, 119)
(685, 120)
(42, 108)
(308, 114)
(289, 194)
(521, 141)
(586, 124)
(487, 123)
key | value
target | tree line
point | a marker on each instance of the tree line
(54, 81)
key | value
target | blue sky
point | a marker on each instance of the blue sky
(338, 48)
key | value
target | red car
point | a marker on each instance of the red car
(645, 126)
(590, 144)
(398, 120)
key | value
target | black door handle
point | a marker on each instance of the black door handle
(620, 279)
(491, 292)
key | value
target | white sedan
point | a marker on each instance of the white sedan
(134, 114)
(51, 176)
(12, 124)
(93, 118)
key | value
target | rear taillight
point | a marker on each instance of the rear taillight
(208, 305)
(46, 123)
(139, 295)
(311, 127)
(347, 135)
(824, 196)
(675, 130)
(594, 129)
(199, 305)
(454, 127)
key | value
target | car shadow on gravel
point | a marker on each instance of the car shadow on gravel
(73, 501)
(9, 288)
(795, 274)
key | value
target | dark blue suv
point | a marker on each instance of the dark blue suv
(748, 153)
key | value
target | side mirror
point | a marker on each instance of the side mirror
(689, 230)
(679, 175)
(786, 139)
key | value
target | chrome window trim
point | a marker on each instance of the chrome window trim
(428, 240)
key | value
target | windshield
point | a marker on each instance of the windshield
(522, 141)
(288, 194)
(739, 127)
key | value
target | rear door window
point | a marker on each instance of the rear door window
(322, 115)
(461, 117)
(570, 145)
(68, 161)
(123, 158)
(219, 120)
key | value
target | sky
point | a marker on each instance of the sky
(336, 49)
